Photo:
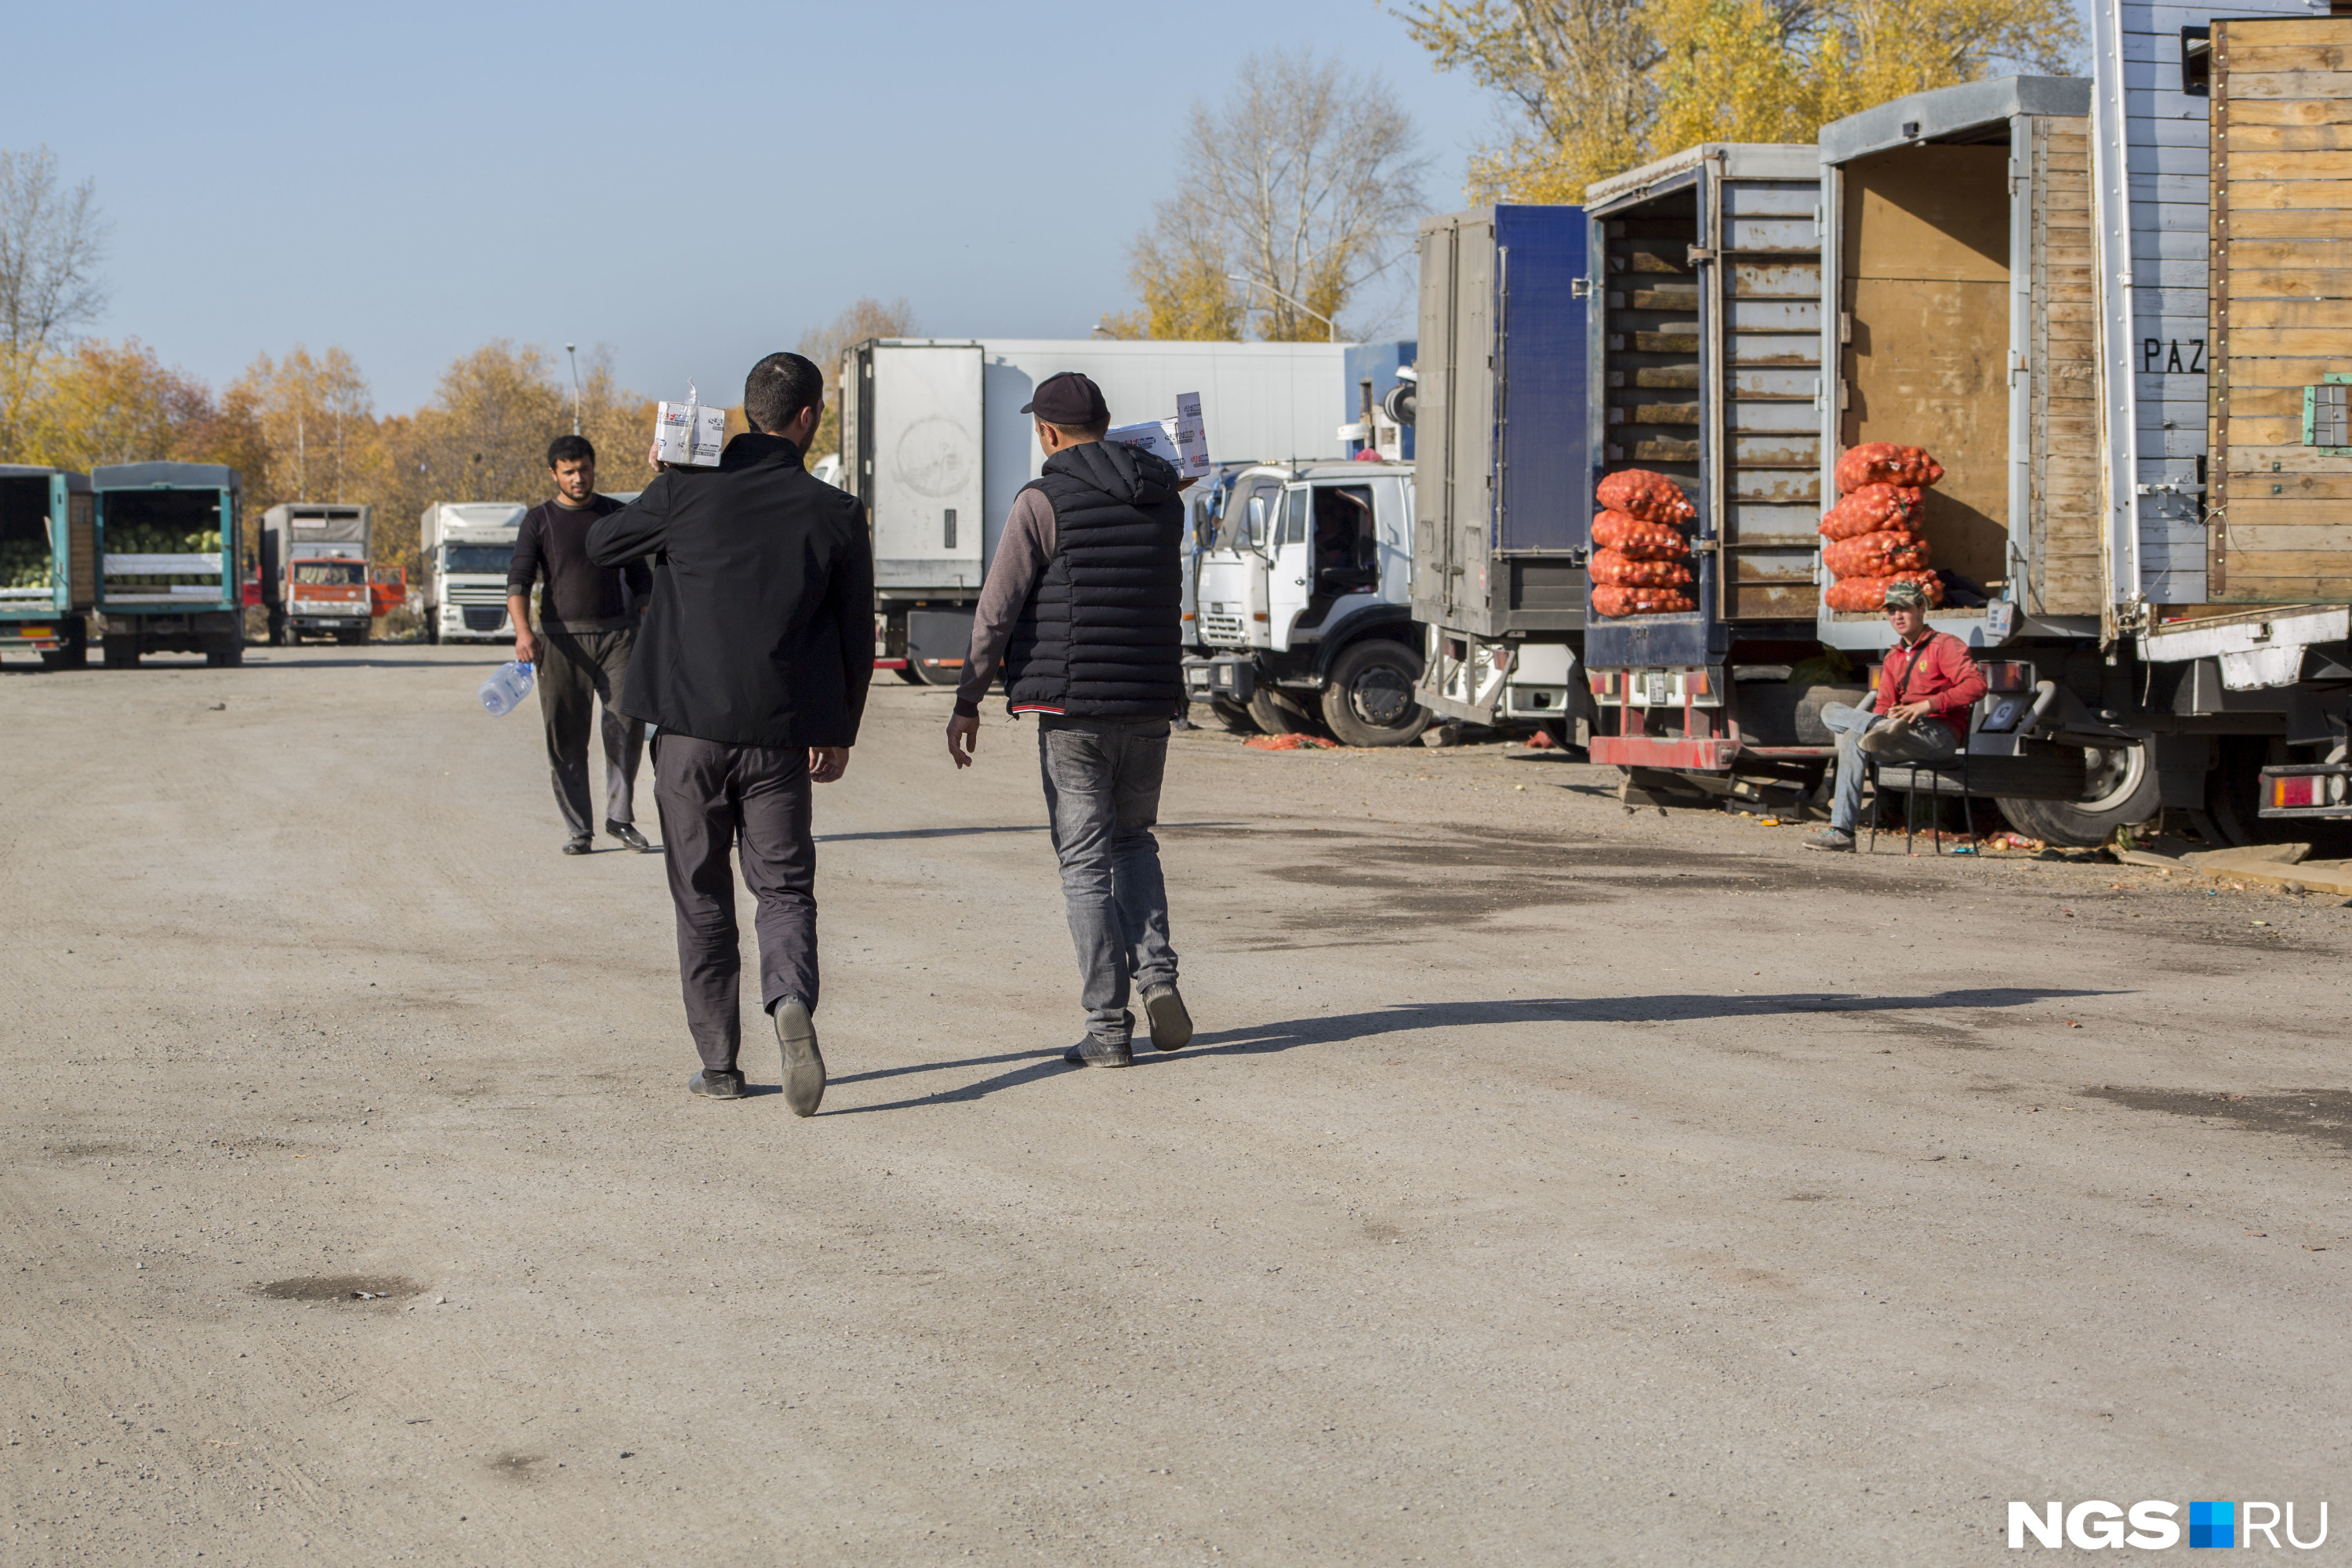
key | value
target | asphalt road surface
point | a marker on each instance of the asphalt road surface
(1549, 1183)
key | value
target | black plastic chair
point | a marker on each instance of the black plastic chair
(1937, 772)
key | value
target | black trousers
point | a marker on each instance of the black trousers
(577, 669)
(712, 798)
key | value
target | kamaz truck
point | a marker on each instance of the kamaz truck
(48, 565)
(314, 572)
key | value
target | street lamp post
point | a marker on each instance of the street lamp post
(1254, 283)
(571, 352)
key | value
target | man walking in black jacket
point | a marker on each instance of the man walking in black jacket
(1083, 605)
(754, 660)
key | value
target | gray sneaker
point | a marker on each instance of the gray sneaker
(803, 1065)
(718, 1085)
(1836, 839)
(1091, 1052)
(1171, 1026)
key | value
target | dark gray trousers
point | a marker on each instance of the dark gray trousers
(1102, 796)
(713, 798)
(578, 670)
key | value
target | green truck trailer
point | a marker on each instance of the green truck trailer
(47, 558)
(167, 538)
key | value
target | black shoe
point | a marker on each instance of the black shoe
(629, 836)
(1172, 1025)
(1091, 1052)
(583, 844)
(803, 1064)
(718, 1085)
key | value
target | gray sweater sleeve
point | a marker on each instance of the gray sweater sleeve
(1021, 556)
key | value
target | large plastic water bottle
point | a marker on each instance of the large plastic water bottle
(507, 685)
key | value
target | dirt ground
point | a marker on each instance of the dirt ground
(1549, 1183)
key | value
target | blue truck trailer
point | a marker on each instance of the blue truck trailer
(167, 578)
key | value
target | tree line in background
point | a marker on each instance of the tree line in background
(1599, 87)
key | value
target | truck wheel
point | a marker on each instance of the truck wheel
(226, 654)
(122, 653)
(1233, 715)
(432, 633)
(1368, 701)
(1278, 714)
(2121, 791)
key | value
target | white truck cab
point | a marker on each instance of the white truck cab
(1301, 601)
(465, 548)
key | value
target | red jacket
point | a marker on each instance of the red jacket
(1936, 671)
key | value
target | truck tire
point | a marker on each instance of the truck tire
(432, 632)
(122, 653)
(352, 639)
(229, 653)
(1233, 716)
(1277, 712)
(1369, 700)
(2122, 791)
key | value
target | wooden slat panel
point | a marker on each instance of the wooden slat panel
(2290, 111)
(2246, 163)
(2061, 532)
(2245, 255)
(2257, 537)
(2251, 511)
(2334, 314)
(2287, 283)
(2334, 488)
(2259, 224)
(2290, 85)
(2288, 195)
(2276, 429)
(2270, 31)
(2288, 343)
(2287, 138)
(2294, 460)
(2273, 54)
(2283, 370)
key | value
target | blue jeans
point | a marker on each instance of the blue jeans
(1925, 742)
(1102, 795)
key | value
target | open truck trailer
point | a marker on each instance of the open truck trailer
(48, 565)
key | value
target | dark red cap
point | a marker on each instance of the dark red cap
(1069, 398)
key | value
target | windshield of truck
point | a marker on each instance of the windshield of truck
(337, 574)
(485, 560)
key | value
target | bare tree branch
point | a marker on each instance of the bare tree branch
(51, 243)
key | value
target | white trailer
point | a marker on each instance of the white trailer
(934, 442)
(464, 548)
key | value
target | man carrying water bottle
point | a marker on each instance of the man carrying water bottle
(587, 624)
(754, 659)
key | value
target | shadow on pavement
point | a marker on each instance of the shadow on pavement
(1284, 1036)
(961, 832)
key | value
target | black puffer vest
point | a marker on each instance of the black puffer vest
(1102, 633)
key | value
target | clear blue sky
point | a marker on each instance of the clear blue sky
(397, 179)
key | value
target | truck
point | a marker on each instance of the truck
(464, 549)
(1301, 606)
(314, 572)
(166, 541)
(935, 445)
(48, 565)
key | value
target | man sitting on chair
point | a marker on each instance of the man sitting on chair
(1925, 688)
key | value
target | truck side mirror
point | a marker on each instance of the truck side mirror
(1256, 535)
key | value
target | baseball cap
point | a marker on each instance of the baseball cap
(1069, 398)
(1905, 596)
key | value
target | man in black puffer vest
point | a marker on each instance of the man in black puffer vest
(1084, 605)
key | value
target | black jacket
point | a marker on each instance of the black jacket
(761, 627)
(1102, 633)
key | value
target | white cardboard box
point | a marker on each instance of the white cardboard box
(690, 434)
(1182, 440)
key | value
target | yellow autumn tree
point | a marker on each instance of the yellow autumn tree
(1598, 87)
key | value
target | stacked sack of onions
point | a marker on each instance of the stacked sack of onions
(1637, 563)
(1873, 533)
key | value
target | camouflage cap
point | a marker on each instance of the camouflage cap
(1905, 596)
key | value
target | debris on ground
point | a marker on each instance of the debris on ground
(1291, 744)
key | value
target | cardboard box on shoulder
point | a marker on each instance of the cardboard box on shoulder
(1182, 440)
(689, 434)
